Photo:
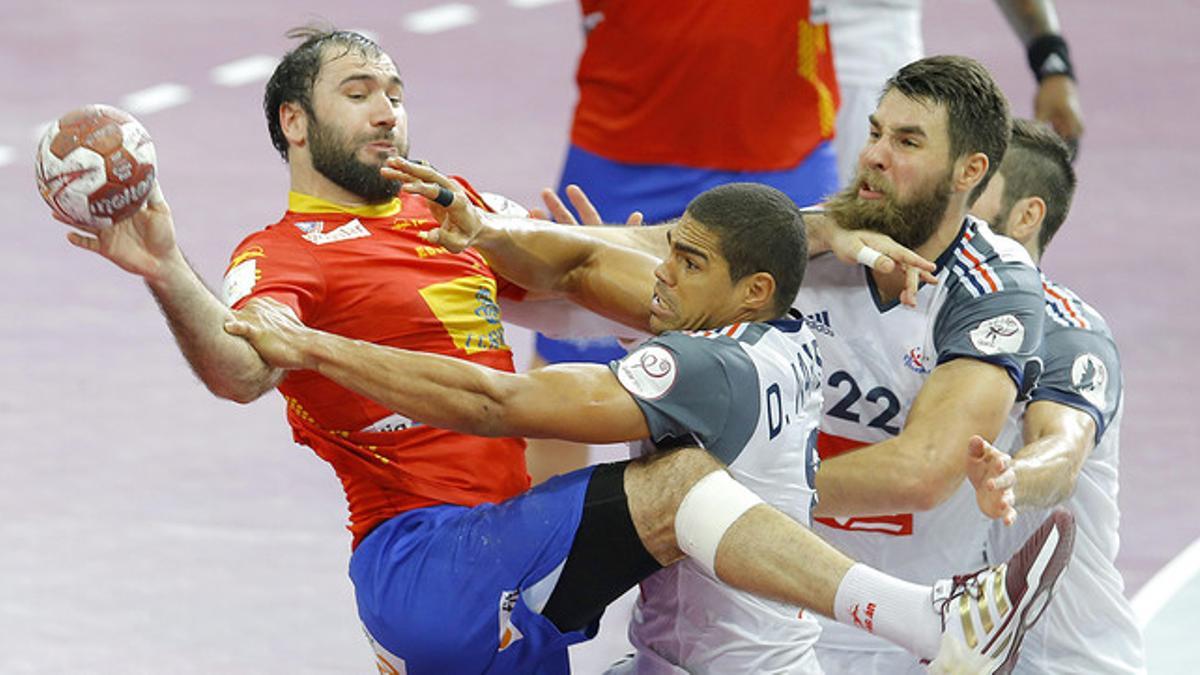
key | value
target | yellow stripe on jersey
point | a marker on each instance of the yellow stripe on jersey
(302, 203)
(812, 45)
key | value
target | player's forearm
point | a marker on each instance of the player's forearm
(1058, 440)
(1046, 471)
(537, 257)
(649, 239)
(817, 231)
(436, 390)
(611, 280)
(1030, 19)
(227, 365)
(894, 476)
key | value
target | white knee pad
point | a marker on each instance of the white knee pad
(707, 511)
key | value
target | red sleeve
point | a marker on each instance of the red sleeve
(274, 267)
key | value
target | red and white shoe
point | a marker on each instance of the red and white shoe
(985, 614)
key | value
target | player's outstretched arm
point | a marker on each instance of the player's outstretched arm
(1057, 100)
(144, 244)
(922, 466)
(1058, 440)
(864, 247)
(576, 402)
(651, 239)
(611, 280)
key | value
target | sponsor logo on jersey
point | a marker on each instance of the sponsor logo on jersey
(819, 322)
(351, 230)
(239, 281)
(915, 361)
(1089, 377)
(649, 373)
(430, 251)
(508, 632)
(393, 422)
(467, 309)
(310, 226)
(999, 335)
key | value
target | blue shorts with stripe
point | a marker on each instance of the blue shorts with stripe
(661, 193)
(451, 589)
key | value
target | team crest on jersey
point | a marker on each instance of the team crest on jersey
(999, 335)
(1090, 377)
(310, 226)
(649, 373)
(915, 361)
(508, 632)
(351, 230)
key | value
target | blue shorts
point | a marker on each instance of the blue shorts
(661, 193)
(451, 589)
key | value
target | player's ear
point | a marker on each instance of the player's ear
(969, 170)
(758, 291)
(293, 120)
(1026, 218)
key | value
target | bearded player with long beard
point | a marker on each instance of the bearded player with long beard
(906, 387)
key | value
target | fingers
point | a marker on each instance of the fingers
(422, 173)
(237, 327)
(636, 218)
(85, 243)
(912, 284)
(977, 447)
(871, 258)
(588, 215)
(557, 208)
(424, 181)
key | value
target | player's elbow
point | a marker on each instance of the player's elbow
(241, 390)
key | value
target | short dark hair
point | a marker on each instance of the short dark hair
(759, 229)
(976, 109)
(1038, 164)
(293, 79)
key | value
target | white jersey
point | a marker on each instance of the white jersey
(871, 39)
(750, 394)
(1090, 627)
(986, 306)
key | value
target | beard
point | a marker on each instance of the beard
(334, 156)
(910, 222)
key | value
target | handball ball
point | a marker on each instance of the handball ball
(95, 165)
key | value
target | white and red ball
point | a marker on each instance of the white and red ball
(95, 165)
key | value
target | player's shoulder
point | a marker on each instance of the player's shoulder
(981, 263)
(1067, 311)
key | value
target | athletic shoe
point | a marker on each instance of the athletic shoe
(985, 614)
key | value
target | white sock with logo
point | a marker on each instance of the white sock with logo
(893, 609)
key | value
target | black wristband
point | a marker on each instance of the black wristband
(1049, 55)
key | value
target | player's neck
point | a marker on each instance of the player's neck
(307, 180)
(890, 285)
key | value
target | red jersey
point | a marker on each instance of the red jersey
(744, 86)
(364, 273)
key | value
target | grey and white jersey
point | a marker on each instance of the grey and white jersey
(751, 395)
(987, 306)
(1090, 627)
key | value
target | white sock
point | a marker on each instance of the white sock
(893, 609)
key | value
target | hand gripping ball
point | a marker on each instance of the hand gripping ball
(95, 165)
